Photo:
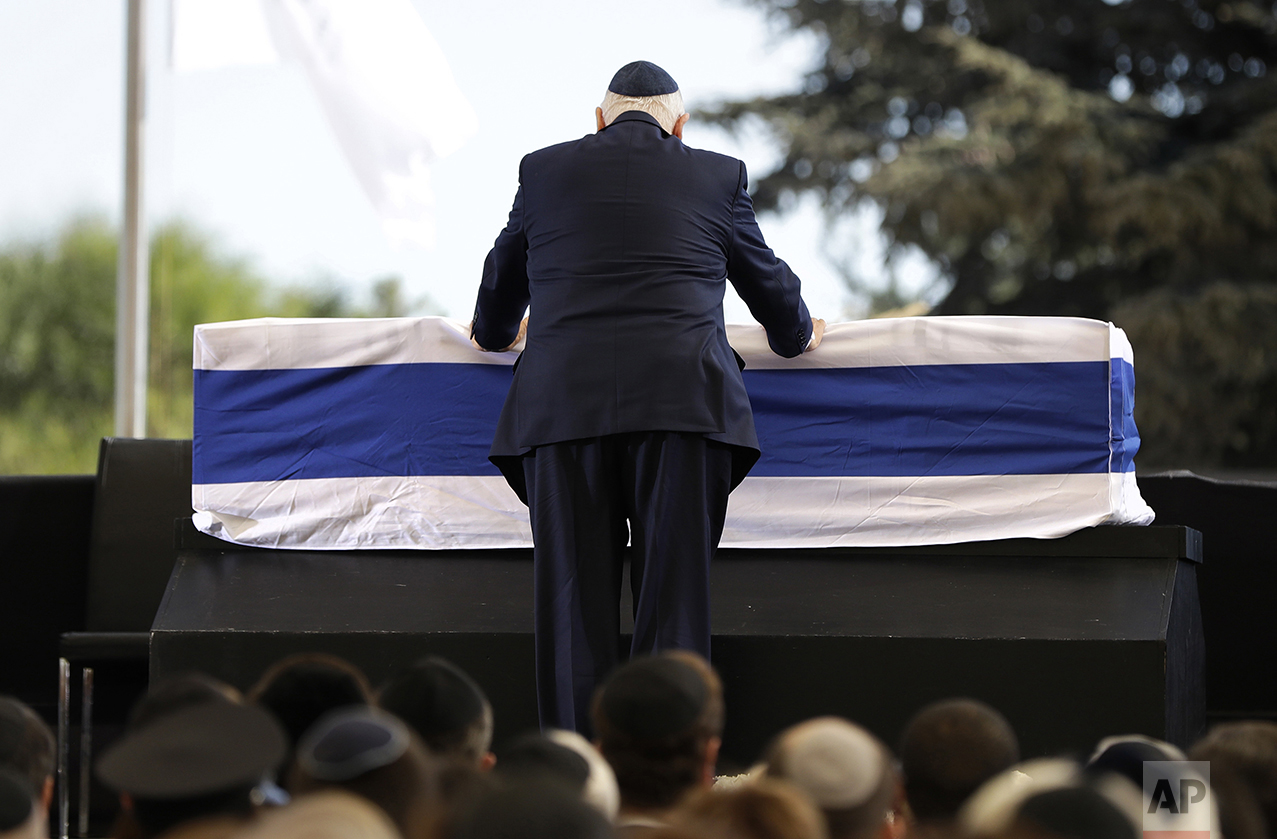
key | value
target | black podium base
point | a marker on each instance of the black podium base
(1073, 639)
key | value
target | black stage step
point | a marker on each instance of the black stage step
(1073, 639)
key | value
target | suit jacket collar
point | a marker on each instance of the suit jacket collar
(638, 116)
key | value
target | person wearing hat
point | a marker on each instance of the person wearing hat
(193, 771)
(846, 771)
(659, 720)
(369, 752)
(627, 418)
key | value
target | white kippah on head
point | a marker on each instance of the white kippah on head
(838, 764)
(1172, 751)
(600, 791)
(992, 807)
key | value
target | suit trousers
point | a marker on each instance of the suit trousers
(665, 493)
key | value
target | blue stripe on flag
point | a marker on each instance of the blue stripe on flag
(346, 422)
(941, 419)
(439, 418)
(1125, 437)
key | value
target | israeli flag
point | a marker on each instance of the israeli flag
(374, 433)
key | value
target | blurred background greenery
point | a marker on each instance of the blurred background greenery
(57, 334)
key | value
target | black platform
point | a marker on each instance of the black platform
(1073, 639)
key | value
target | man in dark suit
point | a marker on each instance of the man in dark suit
(627, 419)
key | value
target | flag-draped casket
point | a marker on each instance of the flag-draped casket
(374, 433)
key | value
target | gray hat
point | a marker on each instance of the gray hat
(200, 750)
(836, 762)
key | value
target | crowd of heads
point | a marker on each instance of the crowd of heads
(312, 750)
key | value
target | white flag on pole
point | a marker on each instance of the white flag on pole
(388, 94)
(382, 81)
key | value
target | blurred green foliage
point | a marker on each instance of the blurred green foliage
(1115, 160)
(57, 334)
(1206, 375)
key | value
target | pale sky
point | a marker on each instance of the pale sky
(247, 154)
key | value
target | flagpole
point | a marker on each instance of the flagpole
(132, 286)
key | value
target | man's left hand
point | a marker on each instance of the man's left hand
(523, 331)
(817, 333)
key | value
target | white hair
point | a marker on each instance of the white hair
(666, 108)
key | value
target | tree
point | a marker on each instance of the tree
(1051, 157)
(1212, 364)
(57, 334)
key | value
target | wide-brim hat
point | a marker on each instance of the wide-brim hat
(196, 751)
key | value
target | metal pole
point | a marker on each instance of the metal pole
(132, 285)
(86, 749)
(64, 747)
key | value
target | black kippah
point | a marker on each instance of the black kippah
(1076, 813)
(1127, 758)
(351, 741)
(642, 78)
(654, 697)
(537, 757)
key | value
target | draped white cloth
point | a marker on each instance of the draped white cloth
(342, 434)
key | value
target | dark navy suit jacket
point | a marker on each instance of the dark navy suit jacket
(623, 242)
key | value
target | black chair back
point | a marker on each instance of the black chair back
(143, 486)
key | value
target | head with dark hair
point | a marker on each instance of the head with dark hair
(27, 747)
(659, 720)
(845, 770)
(765, 809)
(299, 689)
(446, 708)
(371, 753)
(948, 750)
(1246, 752)
(16, 805)
(535, 757)
(528, 811)
(1240, 815)
(1125, 755)
(181, 690)
(1076, 812)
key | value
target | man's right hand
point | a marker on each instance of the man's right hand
(817, 333)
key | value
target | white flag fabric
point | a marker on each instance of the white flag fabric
(388, 94)
(341, 434)
(381, 79)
